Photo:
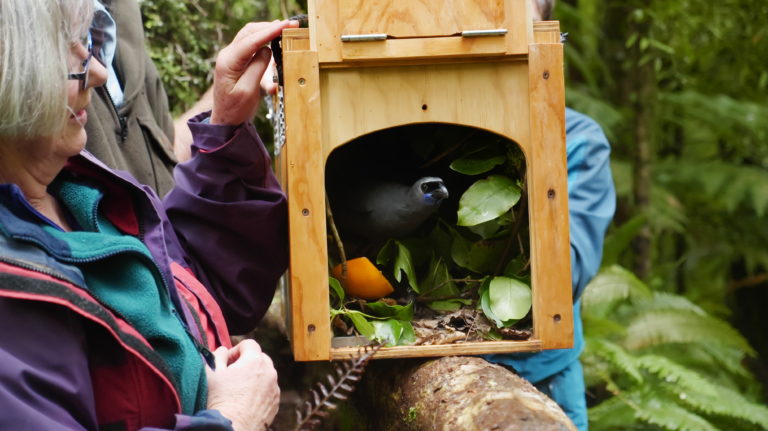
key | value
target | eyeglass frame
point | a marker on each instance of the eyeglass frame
(83, 76)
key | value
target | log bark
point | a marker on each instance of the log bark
(454, 393)
(449, 393)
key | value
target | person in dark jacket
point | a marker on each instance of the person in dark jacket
(116, 306)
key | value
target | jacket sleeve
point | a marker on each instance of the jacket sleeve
(45, 382)
(591, 196)
(231, 218)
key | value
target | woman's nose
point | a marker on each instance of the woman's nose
(97, 74)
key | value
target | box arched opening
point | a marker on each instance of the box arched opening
(441, 210)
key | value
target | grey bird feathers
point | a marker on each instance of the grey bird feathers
(377, 210)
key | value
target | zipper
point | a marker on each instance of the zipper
(121, 119)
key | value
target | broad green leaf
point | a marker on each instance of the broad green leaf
(487, 199)
(403, 263)
(363, 326)
(485, 303)
(486, 229)
(394, 332)
(399, 312)
(460, 248)
(485, 255)
(478, 162)
(449, 304)
(336, 289)
(510, 299)
(438, 281)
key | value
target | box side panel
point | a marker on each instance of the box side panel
(548, 199)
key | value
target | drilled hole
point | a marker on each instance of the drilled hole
(424, 107)
(311, 328)
(302, 81)
(551, 193)
(305, 212)
(546, 74)
(556, 318)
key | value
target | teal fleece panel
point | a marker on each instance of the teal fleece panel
(119, 271)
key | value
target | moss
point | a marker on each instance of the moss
(413, 413)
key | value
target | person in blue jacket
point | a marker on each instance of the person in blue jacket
(591, 204)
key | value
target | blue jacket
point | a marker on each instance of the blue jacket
(591, 204)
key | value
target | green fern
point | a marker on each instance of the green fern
(618, 358)
(675, 367)
(613, 284)
(678, 326)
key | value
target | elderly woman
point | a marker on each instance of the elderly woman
(111, 301)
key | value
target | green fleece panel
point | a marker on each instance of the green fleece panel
(119, 271)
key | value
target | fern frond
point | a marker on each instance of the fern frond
(618, 358)
(601, 327)
(670, 301)
(654, 410)
(612, 284)
(613, 413)
(324, 399)
(678, 326)
(672, 373)
(698, 393)
(726, 403)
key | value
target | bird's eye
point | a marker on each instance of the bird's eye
(424, 188)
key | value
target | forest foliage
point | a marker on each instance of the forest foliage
(675, 321)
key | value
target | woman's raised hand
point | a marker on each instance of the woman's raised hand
(239, 68)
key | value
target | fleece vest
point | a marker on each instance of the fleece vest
(119, 270)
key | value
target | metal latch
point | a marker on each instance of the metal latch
(481, 33)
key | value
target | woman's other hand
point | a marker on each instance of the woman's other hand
(244, 386)
(239, 69)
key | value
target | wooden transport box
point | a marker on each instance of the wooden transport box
(369, 65)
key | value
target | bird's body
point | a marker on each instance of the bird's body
(377, 210)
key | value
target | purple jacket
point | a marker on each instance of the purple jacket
(69, 362)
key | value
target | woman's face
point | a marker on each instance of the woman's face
(73, 137)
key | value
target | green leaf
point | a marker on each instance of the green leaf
(449, 304)
(438, 281)
(485, 303)
(363, 326)
(398, 312)
(337, 290)
(460, 250)
(403, 262)
(478, 162)
(485, 255)
(394, 332)
(487, 199)
(510, 299)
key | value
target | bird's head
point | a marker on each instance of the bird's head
(431, 189)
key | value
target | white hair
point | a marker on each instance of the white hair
(36, 37)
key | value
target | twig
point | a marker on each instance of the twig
(515, 229)
(445, 153)
(336, 238)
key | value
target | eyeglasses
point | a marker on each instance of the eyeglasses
(83, 76)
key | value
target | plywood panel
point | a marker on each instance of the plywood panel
(409, 18)
(548, 198)
(310, 326)
(444, 350)
(364, 100)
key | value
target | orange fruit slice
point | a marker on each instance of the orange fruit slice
(364, 280)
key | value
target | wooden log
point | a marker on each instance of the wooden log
(454, 393)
